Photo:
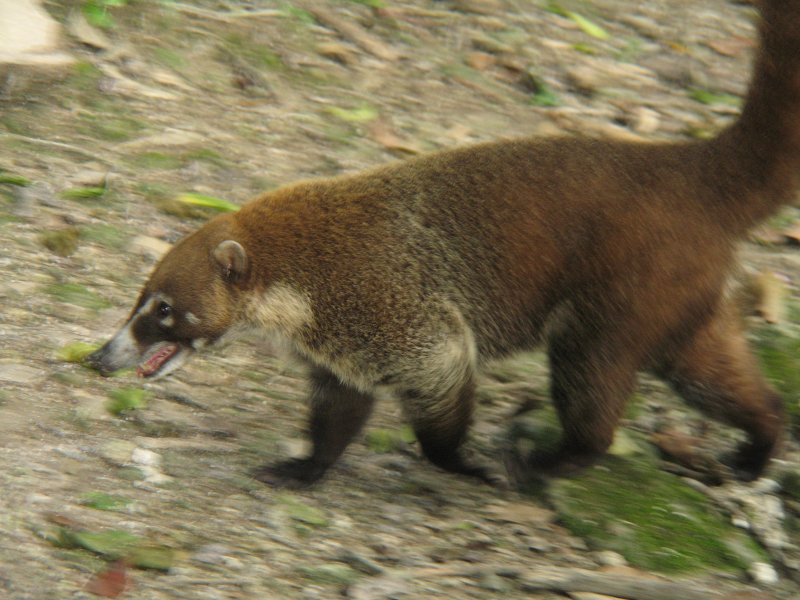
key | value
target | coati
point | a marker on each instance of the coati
(413, 274)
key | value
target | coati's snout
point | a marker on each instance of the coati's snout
(188, 303)
(153, 339)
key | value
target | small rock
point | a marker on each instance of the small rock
(90, 178)
(644, 120)
(359, 563)
(379, 588)
(609, 558)
(584, 79)
(494, 583)
(147, 458)
(216, 554)
(117, 452)
(763, 573)
(29, 36)
(740, 522)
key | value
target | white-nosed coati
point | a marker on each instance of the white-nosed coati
(412, 274)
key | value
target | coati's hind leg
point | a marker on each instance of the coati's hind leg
(592, 376)
(716, 372)
(338, 412)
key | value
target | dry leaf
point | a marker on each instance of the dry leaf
(480, 61)
(731, 46)
(771, 292)
(382, 132)
(111, 582)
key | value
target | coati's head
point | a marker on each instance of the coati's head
(190, 301)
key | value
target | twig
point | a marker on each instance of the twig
(61, 145)
(225, 16)
(613, 584)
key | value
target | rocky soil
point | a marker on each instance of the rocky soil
(114, 486)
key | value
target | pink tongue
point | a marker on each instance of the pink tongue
(153, 364)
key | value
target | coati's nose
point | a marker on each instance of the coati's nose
(96, 360)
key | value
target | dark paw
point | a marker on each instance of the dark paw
(295, 473)
(559, 463)
(456, 464)
(749, 462)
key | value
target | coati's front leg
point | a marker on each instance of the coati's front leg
(338, 412)
(716, 372)
(441, 420)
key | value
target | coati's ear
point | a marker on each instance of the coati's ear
(232, 259)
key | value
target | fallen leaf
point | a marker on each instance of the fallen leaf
(158, 558)
(112, 543)
(480, 61)
(587, 26)
(771, 293)
(103, 501)
(361, 114)
(62, 520)
(382, 132)
(76, 352)
(111, 582)
(126, 399)
(208, 202)
(731, 46)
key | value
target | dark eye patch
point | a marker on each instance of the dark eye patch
(164, 310)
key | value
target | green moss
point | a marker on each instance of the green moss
(62, 241)
(384, 441)
(650, 517)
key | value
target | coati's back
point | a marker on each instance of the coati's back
(507, 230)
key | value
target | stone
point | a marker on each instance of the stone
(30, 55)
(28, 35)
(763, 573)
(117, 452)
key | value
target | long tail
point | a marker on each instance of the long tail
(761, 151)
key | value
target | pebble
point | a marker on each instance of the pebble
(117, 452)
(763, 573)
(609, 558)
(146, 458)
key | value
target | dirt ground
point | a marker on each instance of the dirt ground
(227, 99)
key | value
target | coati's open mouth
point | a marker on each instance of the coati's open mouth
(162, 358)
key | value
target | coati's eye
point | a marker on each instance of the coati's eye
(164, 310)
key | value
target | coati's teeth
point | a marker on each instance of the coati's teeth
(157, 359)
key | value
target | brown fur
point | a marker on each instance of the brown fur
(412, 274)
